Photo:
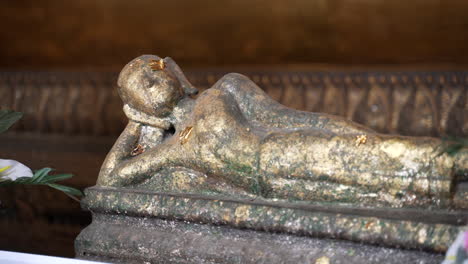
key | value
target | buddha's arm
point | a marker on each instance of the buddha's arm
(120, 151)
(146, 119)
(257, 106)
(143, 166)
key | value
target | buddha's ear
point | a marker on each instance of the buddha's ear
(188, 88)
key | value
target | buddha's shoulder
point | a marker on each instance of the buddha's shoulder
(233, 76)
(214, 101)
(212, 94)
(232, 80)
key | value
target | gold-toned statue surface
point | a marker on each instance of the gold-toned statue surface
(235, 140)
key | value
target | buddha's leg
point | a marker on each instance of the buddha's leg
(398, 166)
(325, 191)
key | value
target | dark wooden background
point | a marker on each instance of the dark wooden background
(59, 60)
(101, 34)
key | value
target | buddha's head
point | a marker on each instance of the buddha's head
(153, 85)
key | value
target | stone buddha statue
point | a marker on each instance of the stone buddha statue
(233, 139)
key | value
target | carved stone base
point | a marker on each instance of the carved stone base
(134, 226)
(126, 239)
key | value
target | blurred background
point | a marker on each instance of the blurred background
(105, 34)
(397, 66)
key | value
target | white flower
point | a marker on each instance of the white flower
(12, 170)
(458, 251)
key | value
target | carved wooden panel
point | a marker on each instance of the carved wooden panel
(408, 103)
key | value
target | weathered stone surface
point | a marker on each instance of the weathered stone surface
(126, 239)
(141, 225)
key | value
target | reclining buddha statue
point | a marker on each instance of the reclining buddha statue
(233, 139)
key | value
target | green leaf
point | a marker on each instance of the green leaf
(39, 175)
(8, 118)
(56, 177)
(24, 180)
(66, 189)
(42, 177)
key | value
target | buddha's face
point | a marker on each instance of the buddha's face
(149, 84)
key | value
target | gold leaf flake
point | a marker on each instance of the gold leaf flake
(185, 134)
(157, 65)
(137, 150)
(362, 139)
(369, 224)
(323, 260)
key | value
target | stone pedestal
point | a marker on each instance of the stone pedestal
(135, 226)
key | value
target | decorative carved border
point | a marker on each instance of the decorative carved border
(408, 103)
